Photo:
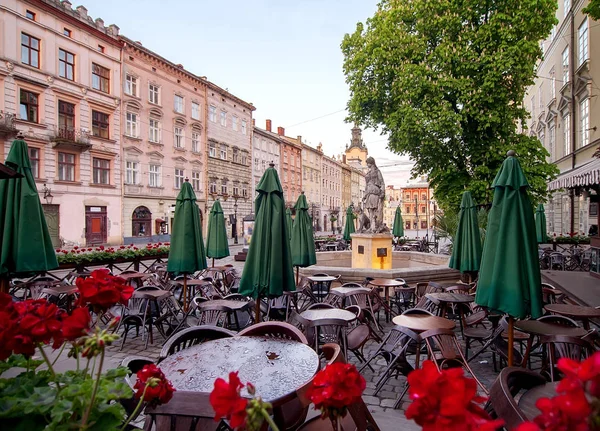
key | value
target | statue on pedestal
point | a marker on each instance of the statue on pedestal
(373, 199)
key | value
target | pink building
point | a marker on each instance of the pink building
(60, 84)
(164, 139)
(291, 167)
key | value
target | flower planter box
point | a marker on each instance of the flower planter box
(103, 262)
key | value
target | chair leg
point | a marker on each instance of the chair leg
(399, 400)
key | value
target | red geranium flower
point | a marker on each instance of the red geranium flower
(77, 324)
(336, 387)
(227, 402)
(8, 327)
(158, 390)
(39, 320)
(102, 290)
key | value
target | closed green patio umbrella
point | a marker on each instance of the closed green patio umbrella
(540, 225)
(216, 237)
(466, 250)
(349, 225)
(509, 276)
(268, 270)
(187, 254)
(398, 228)
(303, 243)
(25, 244)
(289, 221)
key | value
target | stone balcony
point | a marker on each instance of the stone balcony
(70, 138)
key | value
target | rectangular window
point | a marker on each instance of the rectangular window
(552, 84)
(244, 191)
(212, 113)
(154, 130)
(223, 153)
(101, 171)
(212, 149)
(565, 65)
(100, 124)
(541, 96)
(30, 50)
(100, 78)
(532, 106)
(131, 85)
(66, 117)
(196, 180)
(236, 189)
(224, 188)
(244, 159)
(179, 178)
(154, 94)
(234, 123)
(195, 111)
(28, 108)
(582, 43)
(179, 137)
(66, 64)
(584, 115)
(235, 155)
(567, 6)
(131, 124)
(223, 118)
(212, 187)
(34, 159)
(178, 106)
(154, 177)
(101, 49)
(66, 167)
(244, 127)
(132, 172)
(67, 32)
(30, 15)
(195, 142)
(552, 143)
(567, 134)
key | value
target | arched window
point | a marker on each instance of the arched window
(141, 222)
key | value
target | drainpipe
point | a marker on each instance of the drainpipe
(205, 158)
(121, 152)
(573, 113)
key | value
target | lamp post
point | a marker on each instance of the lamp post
(417, 215)
(235, 206)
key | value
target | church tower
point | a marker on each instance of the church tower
(356, 153)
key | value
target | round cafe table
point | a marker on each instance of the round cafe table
(448, 298)
(276, 367)
(343, 293)
(577, 312)
(321, 284)
(317, 314)
(386, 284)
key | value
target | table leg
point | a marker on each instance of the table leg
(527, 351)
(417, 355)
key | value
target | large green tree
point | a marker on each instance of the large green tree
(593, 9)
(445, 80)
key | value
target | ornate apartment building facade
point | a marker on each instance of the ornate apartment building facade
(60, 85)
(266, 147)
(417, 207)
(291, 167)
(331, 193)
(565, 115)
(164, 139)
(393, 198)
(311, 181)
(229, 164)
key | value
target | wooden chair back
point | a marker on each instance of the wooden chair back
(192, 336)
(274, 330)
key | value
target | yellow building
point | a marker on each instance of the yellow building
(357, 153)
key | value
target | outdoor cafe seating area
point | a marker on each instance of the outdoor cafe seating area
(387, 328)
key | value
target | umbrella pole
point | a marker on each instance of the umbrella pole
(185, 304)
(213, 262)
(511, 336)
(257, 314)
(297, 269)
(4, 284)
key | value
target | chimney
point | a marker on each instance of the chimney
(281, 131)
(66, 4)
(268, 125)
(343, 158)
(114, 30)
(299, 139)
(82, 11)
(99, 22)
(254, 122)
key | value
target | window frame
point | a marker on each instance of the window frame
(583, 42)
(97, 124)
(101, 171)
(223, 152)
(150, 94)
(212, 113)
(178, 137)
(212, 149)
(29, 49)
(131, 85)
(567, 134)
(196, 111)
(99, 81)
(223, 118)
(154, 129)
(66, 115)
(28, 105)
(181, 105)
(244, 126)
(66, 64)
(212, 186)
(34, 154)
(195, 142)
(565, 65)
(234, 123)
(584, 122)
(195, 180)
(154, 175)
(30, 15)
(179, 178)
(132, 172)
(130, 124)
(66, 166)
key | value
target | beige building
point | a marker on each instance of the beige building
(311, 181)
(229, 169)
(331, 193)
(60, 84)
(346, 191)
(266, 147)
(164, 139)
(291, 167)
(393, 198)
(565, 114)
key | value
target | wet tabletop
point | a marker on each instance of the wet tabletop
(327, 313)
(450, 297)
(537, 327)
(385, 282)
(348, 291)
(423, 322)
(573, 310)
(321, 278)
(276, 367)
(229, 303)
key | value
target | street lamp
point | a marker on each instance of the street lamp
(235, 206)
(417, 215)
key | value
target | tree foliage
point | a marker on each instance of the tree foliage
(593, 9)
(445, 79)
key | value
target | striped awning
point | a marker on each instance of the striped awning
(585, 175)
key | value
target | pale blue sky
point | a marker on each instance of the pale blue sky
(282, 55)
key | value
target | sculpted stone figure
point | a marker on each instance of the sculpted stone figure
(374, 196)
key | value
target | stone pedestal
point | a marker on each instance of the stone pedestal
(372, 250)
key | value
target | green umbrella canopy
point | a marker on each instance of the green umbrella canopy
(540, 225)
(289, 221)
(349, 225)
(466, 251)
(187, 254)
(398, 229)
(509, 277)
(216, 237)
(268, 270)
(25, 244)
(303, 243)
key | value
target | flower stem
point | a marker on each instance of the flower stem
(269, 420)
(47, 360)
(94, 392)
(59, 353)
(136, 410)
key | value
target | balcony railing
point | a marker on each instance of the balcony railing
(7, 124)
(71, 137)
